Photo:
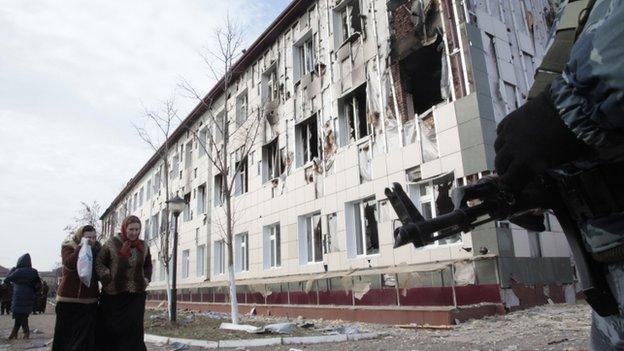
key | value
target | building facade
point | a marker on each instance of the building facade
(351, 96)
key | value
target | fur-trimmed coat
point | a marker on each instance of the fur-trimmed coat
(120, 275)
(71, 289)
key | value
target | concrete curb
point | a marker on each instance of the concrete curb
(291, 340)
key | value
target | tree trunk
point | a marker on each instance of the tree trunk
(230, 247)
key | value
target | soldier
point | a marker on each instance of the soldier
(579, 115)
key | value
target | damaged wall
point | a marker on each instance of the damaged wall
(352, 94)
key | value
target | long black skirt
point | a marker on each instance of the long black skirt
(120, 322)
(74, 329)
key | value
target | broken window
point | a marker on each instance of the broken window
(146, 231)
(330, 242)
(270, 85)
(141, 196)
(353, 116)
(271, 161)
(188, 159)
(201, 199)
(175, 166)
(241, 108)
(148, 190)
(187, 214)
(305, 58)
(272, 246)
(219, 257)
(202, 143)
(241, 252)
(365, 227)
(428, 137)
(154, 231)
(240, 180)
(310, 238)
(347, 20)
(219, 190)
(433, 198)
(307, 141)
(157, 181)
(421, 77)
(219, 128)
(365, 162)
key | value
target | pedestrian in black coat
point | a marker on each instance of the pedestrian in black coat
(26, 282)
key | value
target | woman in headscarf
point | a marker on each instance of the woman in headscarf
(124, 266)
(25, 281)
(76, 303)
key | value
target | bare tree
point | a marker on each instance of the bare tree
(87, 214)
(164, 122)
(227, 148)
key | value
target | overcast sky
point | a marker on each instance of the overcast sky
(73, 77)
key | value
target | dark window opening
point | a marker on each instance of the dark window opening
(353, 116)
(421, 75)
(272, 161)
(307, 141)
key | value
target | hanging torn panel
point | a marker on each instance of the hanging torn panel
(365, 162)
(428, 136)
(329, 146)
(373, 107)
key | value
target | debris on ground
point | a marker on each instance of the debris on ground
(242, 327)
(424, 326)
(280, 328)
(178, 346)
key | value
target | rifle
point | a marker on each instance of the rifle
(485, 201)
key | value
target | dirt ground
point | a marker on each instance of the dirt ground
(551, 327)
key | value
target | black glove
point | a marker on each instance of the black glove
(529, 141)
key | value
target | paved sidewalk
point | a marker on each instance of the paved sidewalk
(44, 323)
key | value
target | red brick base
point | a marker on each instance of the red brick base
(372, 314)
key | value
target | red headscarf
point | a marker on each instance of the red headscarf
(128, 245)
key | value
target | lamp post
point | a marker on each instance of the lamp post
(176, 205)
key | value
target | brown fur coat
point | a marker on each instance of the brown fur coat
(120, 275)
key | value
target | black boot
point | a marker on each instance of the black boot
(14, 333)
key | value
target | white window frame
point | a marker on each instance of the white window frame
(275, 259)
(201, 199)
(219, 257)
(314, 249)
(359, 227)
(200, 269)
(241, 252)
(304, 141)
(185, 263)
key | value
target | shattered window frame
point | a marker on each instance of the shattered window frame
(188, 156)
(306, 133)
(271, 159)
(219, 193)
(271, 84)
(346, 13)
(202, 143)
(330, 238)
(366, 241)
(314, 237)
(353, 115)
(241, 183)
(307, 55)
(242, 105)
(201, 199)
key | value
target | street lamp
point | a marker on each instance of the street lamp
(176, 206)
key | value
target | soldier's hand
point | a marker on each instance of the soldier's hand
(531, 140)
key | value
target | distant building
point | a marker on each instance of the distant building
(358, 94)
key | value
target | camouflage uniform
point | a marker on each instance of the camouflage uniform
(589, 96)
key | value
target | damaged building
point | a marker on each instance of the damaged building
(353, 96)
